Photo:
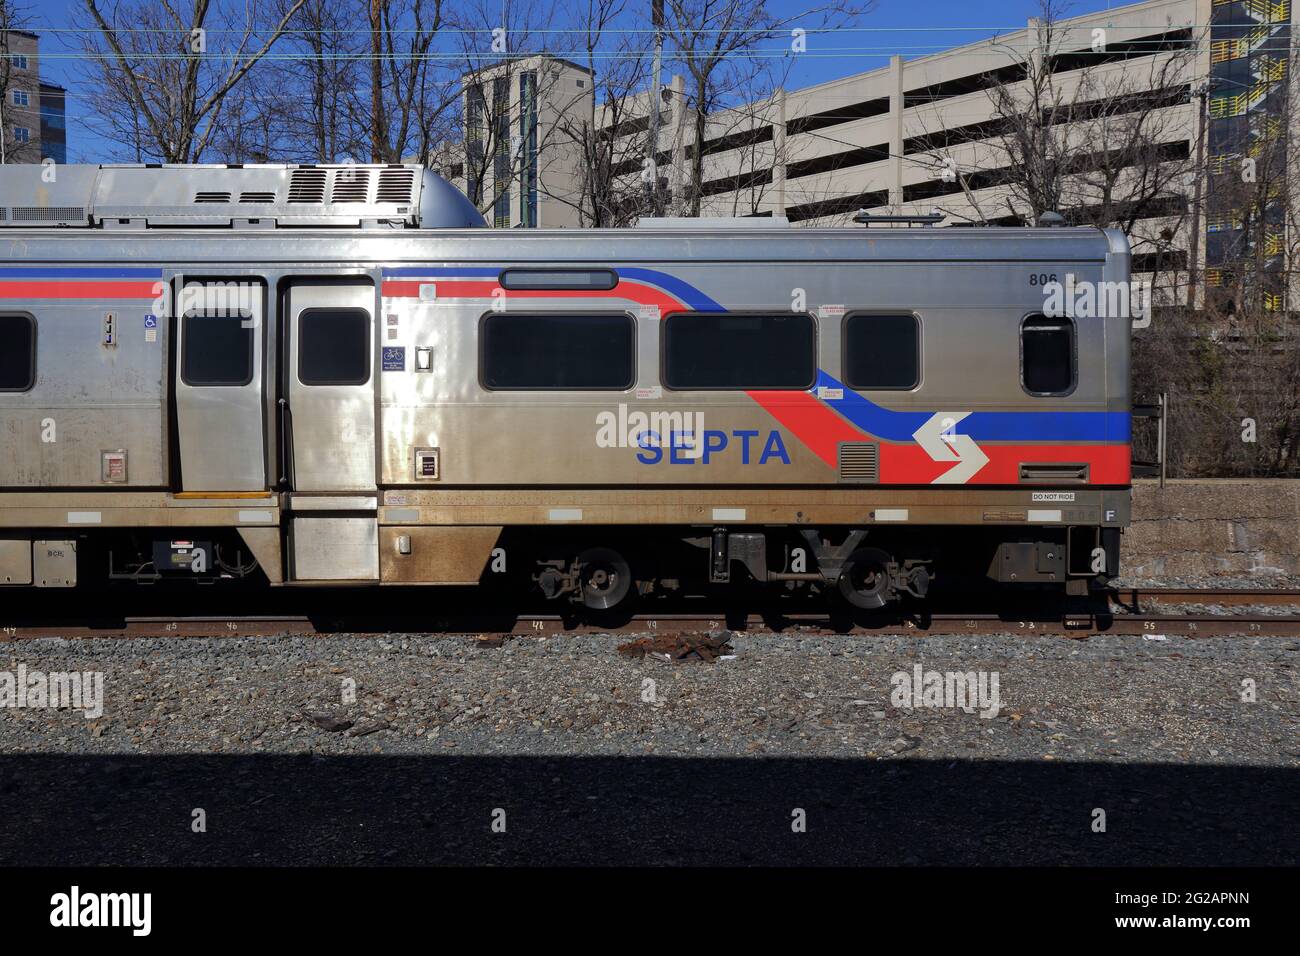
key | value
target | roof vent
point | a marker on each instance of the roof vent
(54, 214)
(307, 186)
(256, 197)
(351, 185)
(1050, 220)
(212, 196)
(396, 185)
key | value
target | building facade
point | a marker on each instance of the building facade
(54, 126)
(1249, 194)
(521, 160)
(32, 113)
(1204, 81)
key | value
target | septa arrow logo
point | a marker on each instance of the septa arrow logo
(941, 443)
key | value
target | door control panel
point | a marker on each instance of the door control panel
(426, 464)
(112, 465)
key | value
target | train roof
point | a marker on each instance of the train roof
(284, 213)
(401, 196)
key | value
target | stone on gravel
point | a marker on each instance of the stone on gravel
(327, 721)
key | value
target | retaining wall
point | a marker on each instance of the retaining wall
(1226, 528)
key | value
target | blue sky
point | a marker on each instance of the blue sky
(896, 26)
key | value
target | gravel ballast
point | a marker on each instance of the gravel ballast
(647, 756)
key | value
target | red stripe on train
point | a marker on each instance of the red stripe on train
(910, 465)
(81, 290)
(821, 429)
(811, 421)
(464, 289)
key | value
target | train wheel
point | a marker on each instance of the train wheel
(864, 579)
(605, 578)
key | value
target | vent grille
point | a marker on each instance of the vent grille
(49, 213)
(859, 461)
(307, 186)
(256, 197)
(351, 185)
(395, 185)
(1052, 473)
(212, 196)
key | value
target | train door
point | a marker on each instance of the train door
(220, 382)
(329, 390)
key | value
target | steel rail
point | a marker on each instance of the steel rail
(1152, 626)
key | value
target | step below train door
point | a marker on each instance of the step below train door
(329, 390)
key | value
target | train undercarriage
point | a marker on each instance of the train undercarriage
(617, 568)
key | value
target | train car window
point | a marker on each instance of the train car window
(334, 347)
(558, 351)
(1047, 360)
(882, 351)
(216, 349)
(17, 353)
(710, 351)
(600, 280)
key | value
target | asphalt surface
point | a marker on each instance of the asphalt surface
(785, 750)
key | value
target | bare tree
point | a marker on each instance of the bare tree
(1095, 144)
(253, 123)
(1233, 364)
(748, 139)
(716, 41)
(409, 93)
(603, 131)
(156, 60)
(309, 85)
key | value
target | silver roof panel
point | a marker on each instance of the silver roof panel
(270, 195)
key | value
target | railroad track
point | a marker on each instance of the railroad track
(1130, 618)
(1234, 597)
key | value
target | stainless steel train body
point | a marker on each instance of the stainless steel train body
(335, 372)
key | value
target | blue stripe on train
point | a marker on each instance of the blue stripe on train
(1052, 426)
(77, 272)
(676, 287)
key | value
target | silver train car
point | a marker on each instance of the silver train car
(303, 375)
